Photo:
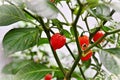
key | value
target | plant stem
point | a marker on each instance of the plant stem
(112, 12)
(54, 53)
(73, 58)
(86, 23)
(39, 19)
(107, 33)
(68, 76)
(70, 51)
(99, 40)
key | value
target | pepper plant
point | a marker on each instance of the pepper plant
(61, 30)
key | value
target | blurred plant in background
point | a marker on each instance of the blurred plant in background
(49, 45)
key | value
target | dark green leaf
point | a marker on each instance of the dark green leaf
(20, 39)
(58, 73)
(66, 33)
(10, 14)
(72, 31)
(105, 28)
(94, 30)
(57, 23)
(86, 64)
(14, 67)
(32, 71)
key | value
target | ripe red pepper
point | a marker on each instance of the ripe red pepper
(57, 41)
(84, 41)
(88, 56)
(98, 35)
(48, 77)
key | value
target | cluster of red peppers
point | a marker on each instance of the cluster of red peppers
(57, 41)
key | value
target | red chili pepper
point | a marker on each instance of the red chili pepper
(57, 41)
(98, 35)
(48, 77)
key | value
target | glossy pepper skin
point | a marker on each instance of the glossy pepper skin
(83, 41)
(98, 35)
(88, 56)
(48, 77)
(57, 41)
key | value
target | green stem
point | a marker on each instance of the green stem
(54, 53)
(99, 40)
(70, 51)
(86, 23)
(101, 24)
(112, 12)
(112, 32)
(48, 35)
(68, 76)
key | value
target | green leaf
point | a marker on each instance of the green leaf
(105, 28)
(110, 59)
(86, 64)
(14, 67)
(77, 76)
(20, 39)
(92, 3)
(66, 33)
(76, 10)
(58, 73)
(103, 12)
(57, 23)
(43, 41)
(10, 14)
(92, 12)
(72, 31)
(32, 71)
(114, 51)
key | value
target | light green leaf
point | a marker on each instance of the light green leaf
(110, 61)
(20, 39)
(10, 14)
(103, 11)
(14, 66)
(32, 71)
(114, 51)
